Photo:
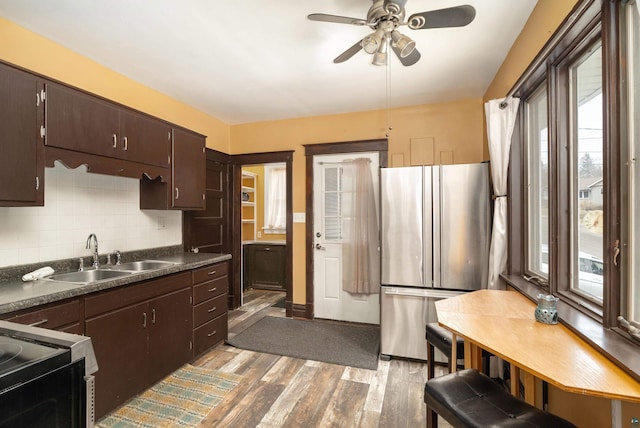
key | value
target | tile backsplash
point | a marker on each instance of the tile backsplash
(78, 203)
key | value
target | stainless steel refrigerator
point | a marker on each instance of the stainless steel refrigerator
(435, 236)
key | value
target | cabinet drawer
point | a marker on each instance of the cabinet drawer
(209, 334)
(209, 309)
(51, 317)
(133, 293)
(210, 272)
(210, 289)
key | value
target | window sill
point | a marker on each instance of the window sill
(612, 345)
(274, 231)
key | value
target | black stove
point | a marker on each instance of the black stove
(22, 360)
(45, 378)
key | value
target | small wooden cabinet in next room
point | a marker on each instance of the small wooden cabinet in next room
(265, 266)
(210, 289)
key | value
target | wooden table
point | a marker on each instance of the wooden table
(503, 323)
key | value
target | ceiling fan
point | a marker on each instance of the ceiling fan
(384, 18)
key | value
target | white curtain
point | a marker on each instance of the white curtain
(276, 215)
(360, 249)
(501, 117)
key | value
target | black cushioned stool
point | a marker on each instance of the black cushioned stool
(470, 399)
(440, 338)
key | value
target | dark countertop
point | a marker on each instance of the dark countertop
(16, 295)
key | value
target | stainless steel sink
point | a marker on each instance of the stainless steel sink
(87, 276)
(141, 265)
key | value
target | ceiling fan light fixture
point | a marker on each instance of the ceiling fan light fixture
(380, 57)
(372, 42)
(404, 43)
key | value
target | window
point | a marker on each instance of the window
(574, 198)
(275, 200)
(586, 161)
(631, 294)
(537, 141)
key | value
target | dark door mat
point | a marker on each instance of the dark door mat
(351, 345)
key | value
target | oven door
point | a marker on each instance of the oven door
(55, 399)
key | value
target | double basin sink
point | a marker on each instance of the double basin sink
(110, 271)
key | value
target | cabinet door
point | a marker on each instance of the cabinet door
(189, 168)
(269, 266)
(80, 122)
(120, 343)
(21, 178)
(144, 140)
(170, 333)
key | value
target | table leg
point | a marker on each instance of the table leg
(515, 381)
(616, 414)
(529, 388)
(454, 353)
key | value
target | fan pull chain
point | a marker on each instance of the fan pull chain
(388, 88)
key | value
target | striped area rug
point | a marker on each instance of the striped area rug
(183, 399)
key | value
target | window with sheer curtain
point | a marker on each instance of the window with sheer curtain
(275, 205)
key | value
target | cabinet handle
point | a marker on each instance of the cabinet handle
(212, 309)
(267, 249)
(144, 319)
(126, 143)
(37, 323)
(37, 100)
(153, 316)
(115, 140)
(37, 183)
(43, 131)
(177, 193)
(211, 290)
(212, 334)
(213, 272)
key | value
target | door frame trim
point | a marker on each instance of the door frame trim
(238, 161)
(310, 150)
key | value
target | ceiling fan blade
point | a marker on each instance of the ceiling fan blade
(458, 16)
(408, 60)
(337, 19)
(349, 52)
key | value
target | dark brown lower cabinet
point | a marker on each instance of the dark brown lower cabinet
(265, 266)
(140, 334)
(210, 289)
(64, 316)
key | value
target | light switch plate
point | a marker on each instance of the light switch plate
(299, 217)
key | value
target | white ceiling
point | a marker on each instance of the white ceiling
(252, 60)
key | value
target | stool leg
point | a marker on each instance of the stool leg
(432, 418)
(430, 362)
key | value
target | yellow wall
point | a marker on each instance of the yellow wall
(33, 52)
(454, 126)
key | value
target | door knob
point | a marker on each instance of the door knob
(319, 247)
(318, 234)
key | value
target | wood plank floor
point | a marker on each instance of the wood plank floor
(288, 392)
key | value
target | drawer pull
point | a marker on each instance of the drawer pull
(213, 272)
(212, 334)
(37, 323)
(212, 309)
(211, 290)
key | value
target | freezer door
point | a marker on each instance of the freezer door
(405, 313)
(463, 235)
(401, 226)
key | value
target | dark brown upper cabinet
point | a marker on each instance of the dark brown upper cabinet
(187, 185)
(83, 123)
(21, 164)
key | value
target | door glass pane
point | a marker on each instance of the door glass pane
(537, 184)
(331, 202)
(587, 175)
(634, 137)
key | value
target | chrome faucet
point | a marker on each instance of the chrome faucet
(96, 264)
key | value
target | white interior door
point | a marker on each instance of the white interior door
(332, 195)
